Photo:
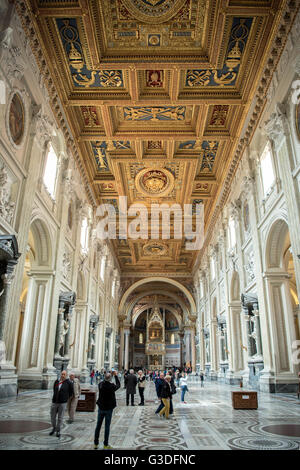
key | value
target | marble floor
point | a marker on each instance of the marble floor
(206, 422)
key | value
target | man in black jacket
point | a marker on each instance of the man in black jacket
(130, 384)
(62, 391)
(106, 403)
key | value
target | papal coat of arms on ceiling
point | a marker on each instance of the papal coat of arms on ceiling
(154, 182)
(153, 11)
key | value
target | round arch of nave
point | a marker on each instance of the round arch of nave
(162, 305)
(157, 279)
(130, 306)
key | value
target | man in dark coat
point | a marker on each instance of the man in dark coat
(158, 385)
(106, 403)
(62, 391)
(130, 384)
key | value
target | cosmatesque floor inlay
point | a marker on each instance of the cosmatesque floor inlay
(206, 422)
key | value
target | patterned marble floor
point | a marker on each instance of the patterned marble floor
(206, 422)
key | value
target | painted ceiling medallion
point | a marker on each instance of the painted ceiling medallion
(154, 182)
(155, 249)
(153, 11)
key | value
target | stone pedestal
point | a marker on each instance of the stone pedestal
(281, 383)
(232, 378)
(85, 376)
(255, 365)
(8, 381)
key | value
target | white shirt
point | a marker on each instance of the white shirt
(183, 381)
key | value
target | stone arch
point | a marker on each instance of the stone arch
(164, 280)
(139, 296)
(280, 305)
(42, 242)
(276, 240)
(166, 306)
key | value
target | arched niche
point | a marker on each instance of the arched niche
(278, 240)
(40, 243)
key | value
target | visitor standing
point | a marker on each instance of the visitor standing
(92, 375)
(166, 395)
(106, 404)
(62, 391)
(202, 379)
(158, 386)
(183, 386)
(130, 384)
(73, 400)
(141, 386)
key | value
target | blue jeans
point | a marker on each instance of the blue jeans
(183, 390)
(107, 414)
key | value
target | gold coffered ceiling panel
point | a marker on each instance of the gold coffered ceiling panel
(156, 93)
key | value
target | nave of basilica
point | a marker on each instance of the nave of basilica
(168, 102)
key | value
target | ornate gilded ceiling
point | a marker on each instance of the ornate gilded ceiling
(156, 93)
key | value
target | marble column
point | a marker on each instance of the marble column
(121, 349)
(214, 350)
(258, 333)
(126, 362)
(193, 348)
(187, 347)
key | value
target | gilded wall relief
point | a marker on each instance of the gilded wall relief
(154, 78)
(99, 151)
(90, 116)
(154, 113)
(227, 75)
(219, 116)
(83, 76)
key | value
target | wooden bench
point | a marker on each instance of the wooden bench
(244, 400)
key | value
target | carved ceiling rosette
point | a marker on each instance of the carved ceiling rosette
(154, 182)
(154, 11)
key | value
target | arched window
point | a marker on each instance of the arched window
(84, 236)
(50, 172)
(267, 170)
(141, 338)
(172, 340)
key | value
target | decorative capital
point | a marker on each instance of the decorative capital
(276, 126)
